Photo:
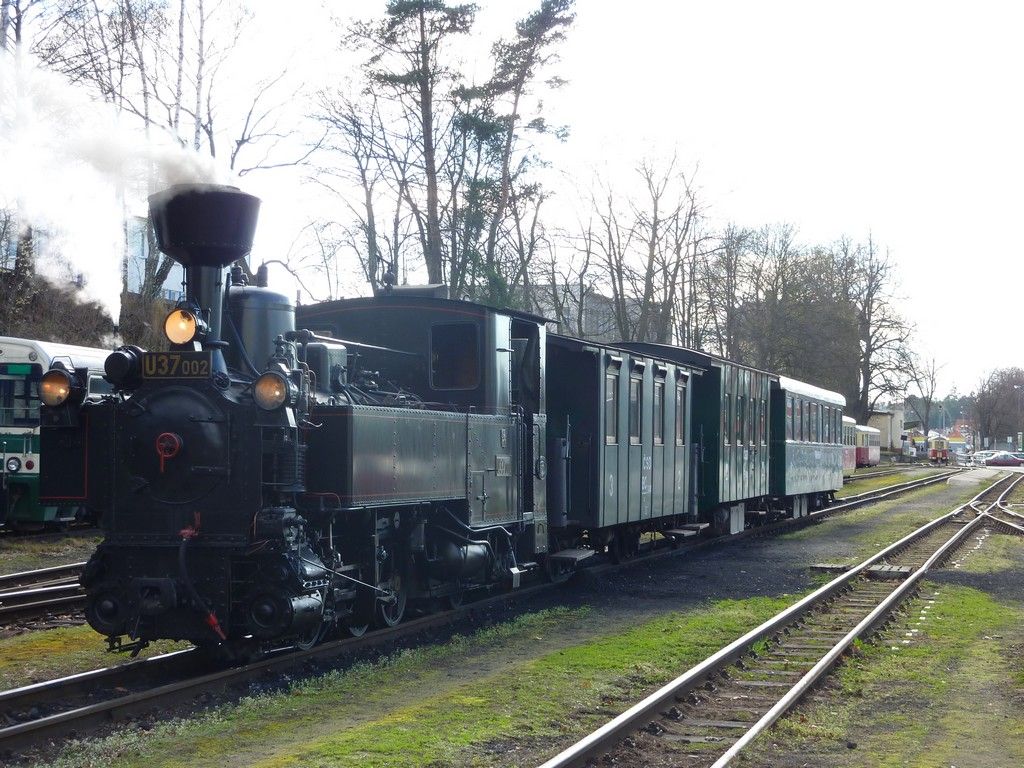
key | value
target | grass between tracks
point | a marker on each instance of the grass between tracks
(27, 554)
(36, 656)
(493, 698)
(874, 526)
(874, 483)
(951, 696)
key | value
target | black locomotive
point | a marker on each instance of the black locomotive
(280, 474)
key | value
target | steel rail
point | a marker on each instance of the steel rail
(599, 741)
(25, 578)
(897, 488)
(877, 616)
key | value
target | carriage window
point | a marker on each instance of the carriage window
(739, 419)
(454, 356)
(611, 410)
(789, 417)
(763, 419)
(726, 418)
(635, 409)
(827, 421)
(19, 394)
(751, 423)
(680, 413)
(814, 423)
(659, 413)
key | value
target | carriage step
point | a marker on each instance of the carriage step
(572, 555)
(680, 533)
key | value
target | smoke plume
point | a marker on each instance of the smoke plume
(74, 168)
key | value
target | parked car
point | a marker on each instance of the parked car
(978, 457)
(1003, 459)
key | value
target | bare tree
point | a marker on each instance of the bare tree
(923, 376)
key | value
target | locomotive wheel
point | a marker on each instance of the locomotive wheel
(357, 630)
(390, 613)
(315, 636)
(455, 599)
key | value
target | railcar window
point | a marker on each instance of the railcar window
(726, 418)
(751, 424)
(739, 419)
(454, 356)
(680, 413)
(19, 394)
(789, 417)
(826, 422)
(635, 409)
(659, 413)
(611, 410)
(764, 422)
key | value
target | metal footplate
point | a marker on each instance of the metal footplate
(573, 556)
(680, 533)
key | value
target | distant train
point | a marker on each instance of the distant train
(282, 473)
(849, 446)
(869, 446)
(938, 450)
(22, 364)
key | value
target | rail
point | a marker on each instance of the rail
(601, 740)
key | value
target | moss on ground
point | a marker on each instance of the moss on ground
(405, 711)
(28, 553)
(44, 655)
(943, 698)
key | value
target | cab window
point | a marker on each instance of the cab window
(454, 356)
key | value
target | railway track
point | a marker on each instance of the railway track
(34, 594)
(51, 709)
(881, 473)
(732, 697)
(30, 594)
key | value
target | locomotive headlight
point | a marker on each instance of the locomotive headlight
(271, 390)
(13, 464)
(181, 326)
(55, 387)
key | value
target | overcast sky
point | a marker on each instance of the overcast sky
(899, 119)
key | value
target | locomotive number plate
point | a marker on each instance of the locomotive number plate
(176, 365)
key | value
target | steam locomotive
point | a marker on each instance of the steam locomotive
(281, 474)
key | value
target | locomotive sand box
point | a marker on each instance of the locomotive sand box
(282, 474)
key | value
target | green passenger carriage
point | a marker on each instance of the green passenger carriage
(22, 363)
(807, 444)
(623, 418)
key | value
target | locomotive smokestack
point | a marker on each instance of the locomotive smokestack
(205, 227)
